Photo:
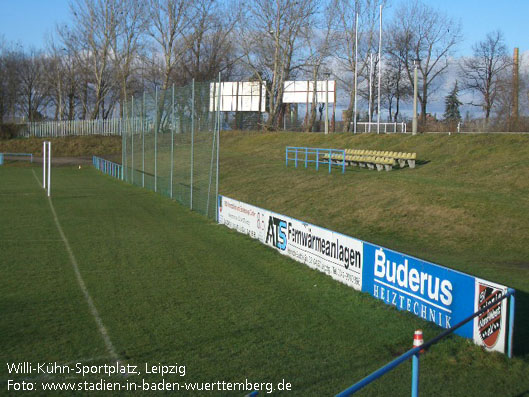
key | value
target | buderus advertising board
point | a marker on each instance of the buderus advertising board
(430, 291)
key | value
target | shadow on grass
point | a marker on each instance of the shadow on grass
(422, 162)
(521, 325)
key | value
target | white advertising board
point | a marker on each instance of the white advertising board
(242, 96)
(334, 254)
(303, 91)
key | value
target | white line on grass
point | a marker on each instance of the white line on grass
(102, 329)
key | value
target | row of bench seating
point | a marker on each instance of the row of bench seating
(375, 159)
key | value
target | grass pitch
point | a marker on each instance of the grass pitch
(171, 286)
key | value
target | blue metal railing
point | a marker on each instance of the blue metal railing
(3, 155)
(309, 155)
(108, 167)
(416, 350)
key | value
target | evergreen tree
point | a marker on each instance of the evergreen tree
(452, 104)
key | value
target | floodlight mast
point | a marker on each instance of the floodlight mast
(416, 63)
(379, 69)
(356, 69)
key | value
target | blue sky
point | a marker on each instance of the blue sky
(28, 21)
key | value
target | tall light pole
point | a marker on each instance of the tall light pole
(379, 69)
(356, 69)
(327, 75)
(416, 63)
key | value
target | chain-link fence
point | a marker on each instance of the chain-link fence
(170, 145)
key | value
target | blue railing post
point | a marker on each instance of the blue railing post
(417, 341)
(343, 163)
(415, 376)
(317, 159)
(511, 325)
(330, 160)
(306, 155)
(296, 158)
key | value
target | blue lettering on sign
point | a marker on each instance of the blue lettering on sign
(429, 291)
(275, 234)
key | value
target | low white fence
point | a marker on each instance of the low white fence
(50, 129)
(380, 127)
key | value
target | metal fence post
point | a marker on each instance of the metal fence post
(215, 134)
(156, 140)
(172, 148)
(217, 176)
(192, 139)
(123, 150)
(143, 142)
(131, 140)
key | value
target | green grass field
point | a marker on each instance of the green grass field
(171, 286)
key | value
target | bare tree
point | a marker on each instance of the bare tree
(395, 87)
(127, 41)
(10, 60)
(319, 44)
(481, 72)
(90, 36)
(211, 46)
(271, 38)
(33, 85)
(424, 33)
(170, 28)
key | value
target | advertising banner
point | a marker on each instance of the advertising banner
(303, 91)
(332, 253)
(429, 291)
(490, 328)
(238, 96)
(432, 292)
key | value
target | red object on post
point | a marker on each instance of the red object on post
(417, 339)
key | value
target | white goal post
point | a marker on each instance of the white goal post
(46, 166)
